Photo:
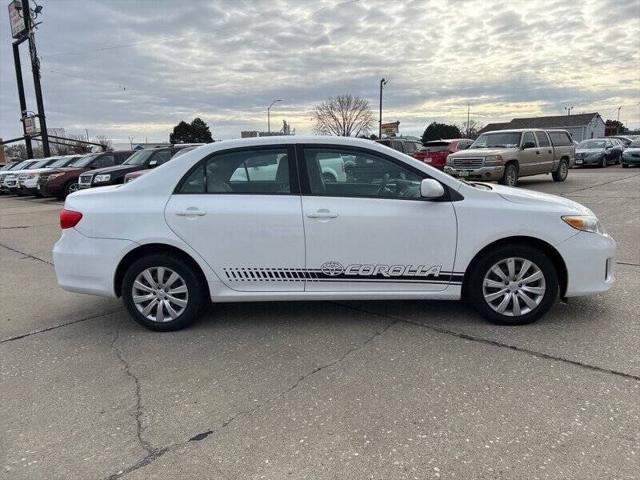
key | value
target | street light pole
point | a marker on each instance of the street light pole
(383, 82)
(269, 114)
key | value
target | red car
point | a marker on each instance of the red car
(435, 152)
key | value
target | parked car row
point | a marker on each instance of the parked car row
(61, 176)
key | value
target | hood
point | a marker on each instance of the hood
(530, 197)
(632, 150)
(480, 152)
(36, 170)
(122, 169)
(589, 151)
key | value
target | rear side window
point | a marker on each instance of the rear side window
(247, 171)
(543, 141)
(103, 161)
(560, 139)
(160, 157)
(409, 148)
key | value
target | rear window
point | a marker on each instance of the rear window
(560, 139)
(437, 146)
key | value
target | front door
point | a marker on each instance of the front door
(371, 230)
(240, 210)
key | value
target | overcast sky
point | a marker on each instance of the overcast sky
(137, 67)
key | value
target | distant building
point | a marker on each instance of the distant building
(285, 130)
(580, 127)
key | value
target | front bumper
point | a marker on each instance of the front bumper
(88, 265)
(482, 173)
(591, 160)
(630, 159)
(590, 262)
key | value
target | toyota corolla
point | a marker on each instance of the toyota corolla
(209, 228)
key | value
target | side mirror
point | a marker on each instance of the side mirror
(153, 163)
(431, 189)
(528, 145)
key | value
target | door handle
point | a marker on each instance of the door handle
(537, 152)
(191, 212)
(322, 213)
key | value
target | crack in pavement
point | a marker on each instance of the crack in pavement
(628, 263)
(157, 453)
(54, 327)
(26, 255)
(497, 343)
(138, 415)
(565, 194)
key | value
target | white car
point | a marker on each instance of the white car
(199, 230)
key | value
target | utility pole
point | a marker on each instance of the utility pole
(468, 117)
(618, 124)
(35, 67)
(383, 82)
(21, 97)
(269, 114)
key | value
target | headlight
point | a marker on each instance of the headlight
(56, 175)
(449, 160)
(102, 178)
(586, 223)
(490, 160)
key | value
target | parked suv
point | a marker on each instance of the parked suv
(9, 178)
(435, 152)
(28, 180)
(63, 181)
(506, 155)
(402, 144)
(140, 160)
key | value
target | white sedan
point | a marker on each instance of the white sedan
(391, 227)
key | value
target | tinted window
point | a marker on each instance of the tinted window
(497, 139)
(365, 175)
(161, 157)
(397, 145)
(103, 161)
(528, 138)
(543, 141)
(247, 171)
(560, 139)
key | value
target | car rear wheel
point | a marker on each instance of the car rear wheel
(625, 165)
(163, 293)
(510, 175)
(514, 285)
(560, 175)
(603, 162)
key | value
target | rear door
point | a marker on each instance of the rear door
(240, 210)
(545, 157)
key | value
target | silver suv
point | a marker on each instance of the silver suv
(506, 155)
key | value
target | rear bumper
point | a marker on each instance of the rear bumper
(88, 265)
(590, 262)
(482, 173)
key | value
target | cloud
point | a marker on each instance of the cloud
(135, 67)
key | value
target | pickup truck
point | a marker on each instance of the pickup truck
(507, 155)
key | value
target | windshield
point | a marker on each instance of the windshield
(40, 164)
(587, 144)
(20, 165)
(139, 157)
(497, 140)
(83, 161)
(62, 162)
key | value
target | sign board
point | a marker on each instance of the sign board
(390, 128)
(30, 125)
(16, 18)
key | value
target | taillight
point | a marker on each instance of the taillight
(69, 218)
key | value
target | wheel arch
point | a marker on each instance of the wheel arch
(545, 247)
(151, 248)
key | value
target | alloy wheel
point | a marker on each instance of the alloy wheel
(564, 170)
(160, 294)
(511, 176)
(514, 286)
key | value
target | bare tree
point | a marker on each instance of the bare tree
(344, 115)
(104, 141)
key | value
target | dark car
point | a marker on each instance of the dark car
(435, 152)
(140, 160)
(129, 177)
(63, 181)
(598, 151)
(402, 144)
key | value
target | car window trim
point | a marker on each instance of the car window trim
(294, 185)
(450, 195)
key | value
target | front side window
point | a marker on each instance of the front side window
(528, 138)
(498, 140)
(103, 161)
(138, 158)
(352, 173)
(256, 171)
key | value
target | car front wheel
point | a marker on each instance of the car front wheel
(163, 293)
(514, 285)
(510, 175)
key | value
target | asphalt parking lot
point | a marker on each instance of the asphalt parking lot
(376, 390)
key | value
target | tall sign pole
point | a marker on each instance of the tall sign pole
(21, 97)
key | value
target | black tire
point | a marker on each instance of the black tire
(476, 292)
(625, 165)
(603, 162)
(510, 175)
(69, 188)
(196, 295)
(560, 174)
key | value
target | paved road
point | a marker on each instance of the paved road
(354, 390)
